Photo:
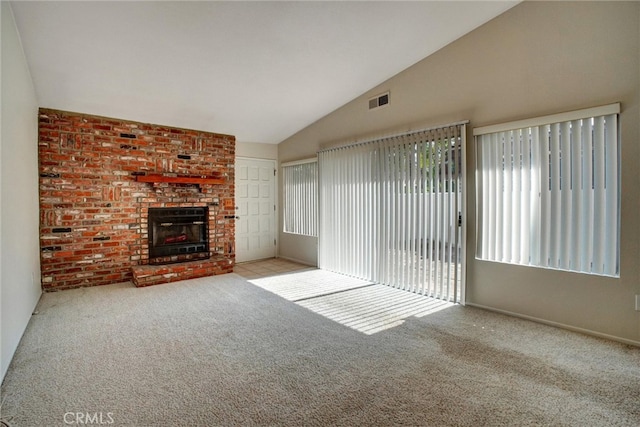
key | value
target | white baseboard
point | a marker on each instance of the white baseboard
(557, 324)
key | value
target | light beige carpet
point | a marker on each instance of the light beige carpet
(221, 351)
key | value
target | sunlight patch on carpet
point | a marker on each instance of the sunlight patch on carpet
(308, 284)
(355, 303)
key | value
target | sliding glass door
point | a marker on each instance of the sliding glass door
(391, 211)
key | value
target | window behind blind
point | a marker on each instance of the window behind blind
(300, 186)
(548, 191)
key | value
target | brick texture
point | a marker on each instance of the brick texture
(93, 212)
(147, 275)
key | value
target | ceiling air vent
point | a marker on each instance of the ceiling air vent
(379, 101)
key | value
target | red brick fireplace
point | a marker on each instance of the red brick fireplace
(98, 179)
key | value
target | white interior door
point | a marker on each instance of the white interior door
(255, 202)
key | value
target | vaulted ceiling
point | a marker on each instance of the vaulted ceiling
(258, 70)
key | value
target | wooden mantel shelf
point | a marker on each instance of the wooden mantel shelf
(199, 180)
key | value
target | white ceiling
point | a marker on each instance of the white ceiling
(258, 70)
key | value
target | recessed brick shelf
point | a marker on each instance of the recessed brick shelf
(98, 178)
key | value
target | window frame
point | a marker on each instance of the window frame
(302, 218)
(600, 254)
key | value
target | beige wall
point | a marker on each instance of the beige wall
(19, 249)
(256, 150)
(538, 58)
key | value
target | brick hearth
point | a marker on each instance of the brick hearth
(93, 211)
(147, 275)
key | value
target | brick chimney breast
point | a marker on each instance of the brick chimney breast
(94, 212)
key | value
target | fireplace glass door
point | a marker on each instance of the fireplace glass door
(178, 231)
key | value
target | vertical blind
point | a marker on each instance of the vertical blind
(548, 192)
(390, 208)
(300, 198)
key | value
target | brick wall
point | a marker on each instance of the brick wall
(93, 212)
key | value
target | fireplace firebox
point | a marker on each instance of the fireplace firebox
(178, 234)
